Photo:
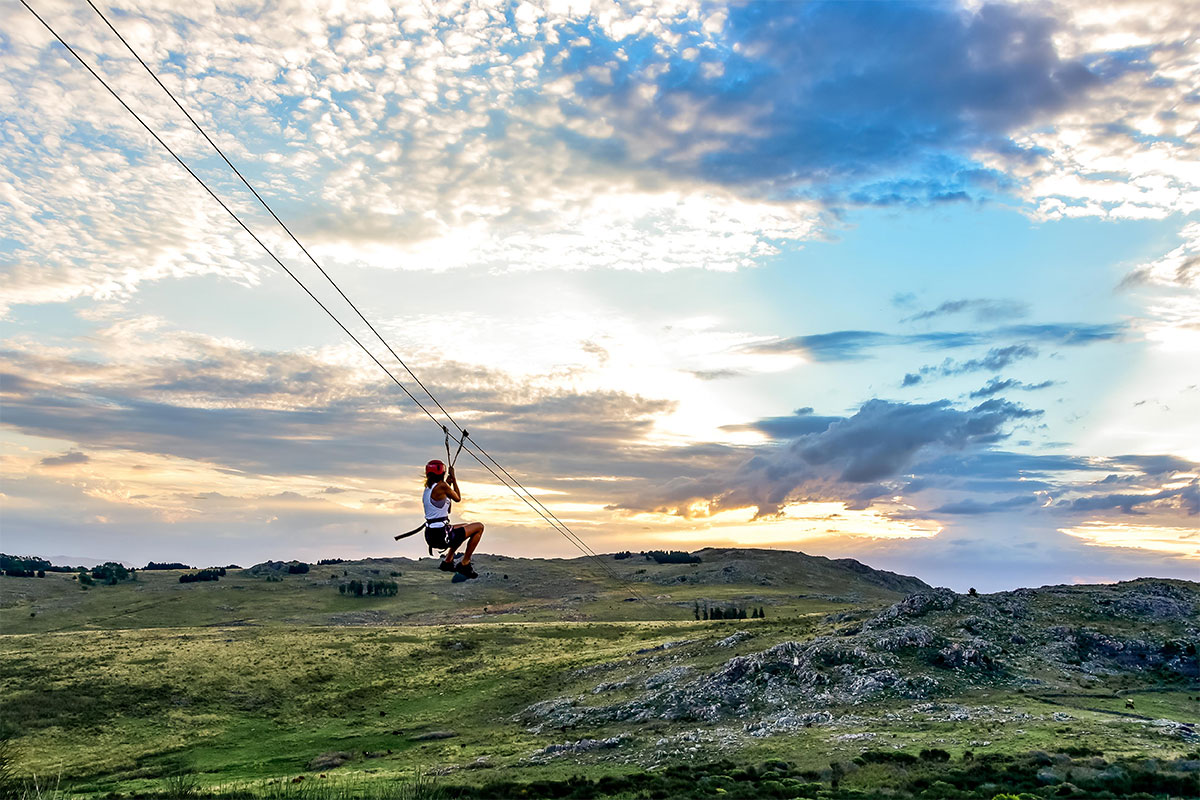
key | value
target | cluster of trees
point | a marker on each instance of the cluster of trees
(25, 573)
(166, 565)
(210, 574)
(110, 573)
(325, 562)
(727, 612)
(28, 566)
(661, 556)
(357, 588)
(299, 568)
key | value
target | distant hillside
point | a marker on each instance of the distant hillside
(793, 568)
(782, 583)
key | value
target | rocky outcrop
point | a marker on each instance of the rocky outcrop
(913, 606)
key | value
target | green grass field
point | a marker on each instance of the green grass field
(156, 688)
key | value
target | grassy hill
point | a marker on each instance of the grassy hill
(541, 670)
(508, 589)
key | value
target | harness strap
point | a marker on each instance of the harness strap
(413, 532)
(452, 460)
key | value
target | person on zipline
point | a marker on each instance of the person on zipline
(441, 487)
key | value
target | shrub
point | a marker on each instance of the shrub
(672, 557)
(110, 572)
(203, 575)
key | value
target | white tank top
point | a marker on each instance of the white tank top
(432, 509)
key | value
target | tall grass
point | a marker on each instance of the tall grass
(419, 787)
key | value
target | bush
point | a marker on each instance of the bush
(110, 572)
(672, 557)
(210, 574)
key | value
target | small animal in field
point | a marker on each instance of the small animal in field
(1128, 703)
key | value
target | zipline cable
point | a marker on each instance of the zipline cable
(549, 519)
(462, 431)
(580, 543)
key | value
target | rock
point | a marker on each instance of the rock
(915, 605)
(904, 637)
(735, 639)
(1156, 600)
(667, 678)
(581, 746)
(973, 655)
(665, 646)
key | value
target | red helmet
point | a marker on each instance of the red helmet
(436, 467)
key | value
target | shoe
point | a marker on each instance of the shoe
(467, 570)
(447, 566)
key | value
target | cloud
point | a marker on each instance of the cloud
(832, 458)
(713, 138)
(982, 309)
(321, 414)
(1130, 151)
(857, 345)
(970, 506)
(996, 385)
(1179, 268)
(996, 359)
(72, 457)
(832, 95)
(1186, 498)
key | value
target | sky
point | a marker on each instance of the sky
(912, 283)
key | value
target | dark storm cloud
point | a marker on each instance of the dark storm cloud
(884, 103)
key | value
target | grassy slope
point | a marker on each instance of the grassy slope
(508, 589)
(118, 688)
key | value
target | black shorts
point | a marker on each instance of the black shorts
(438, 539)
(458, 535)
